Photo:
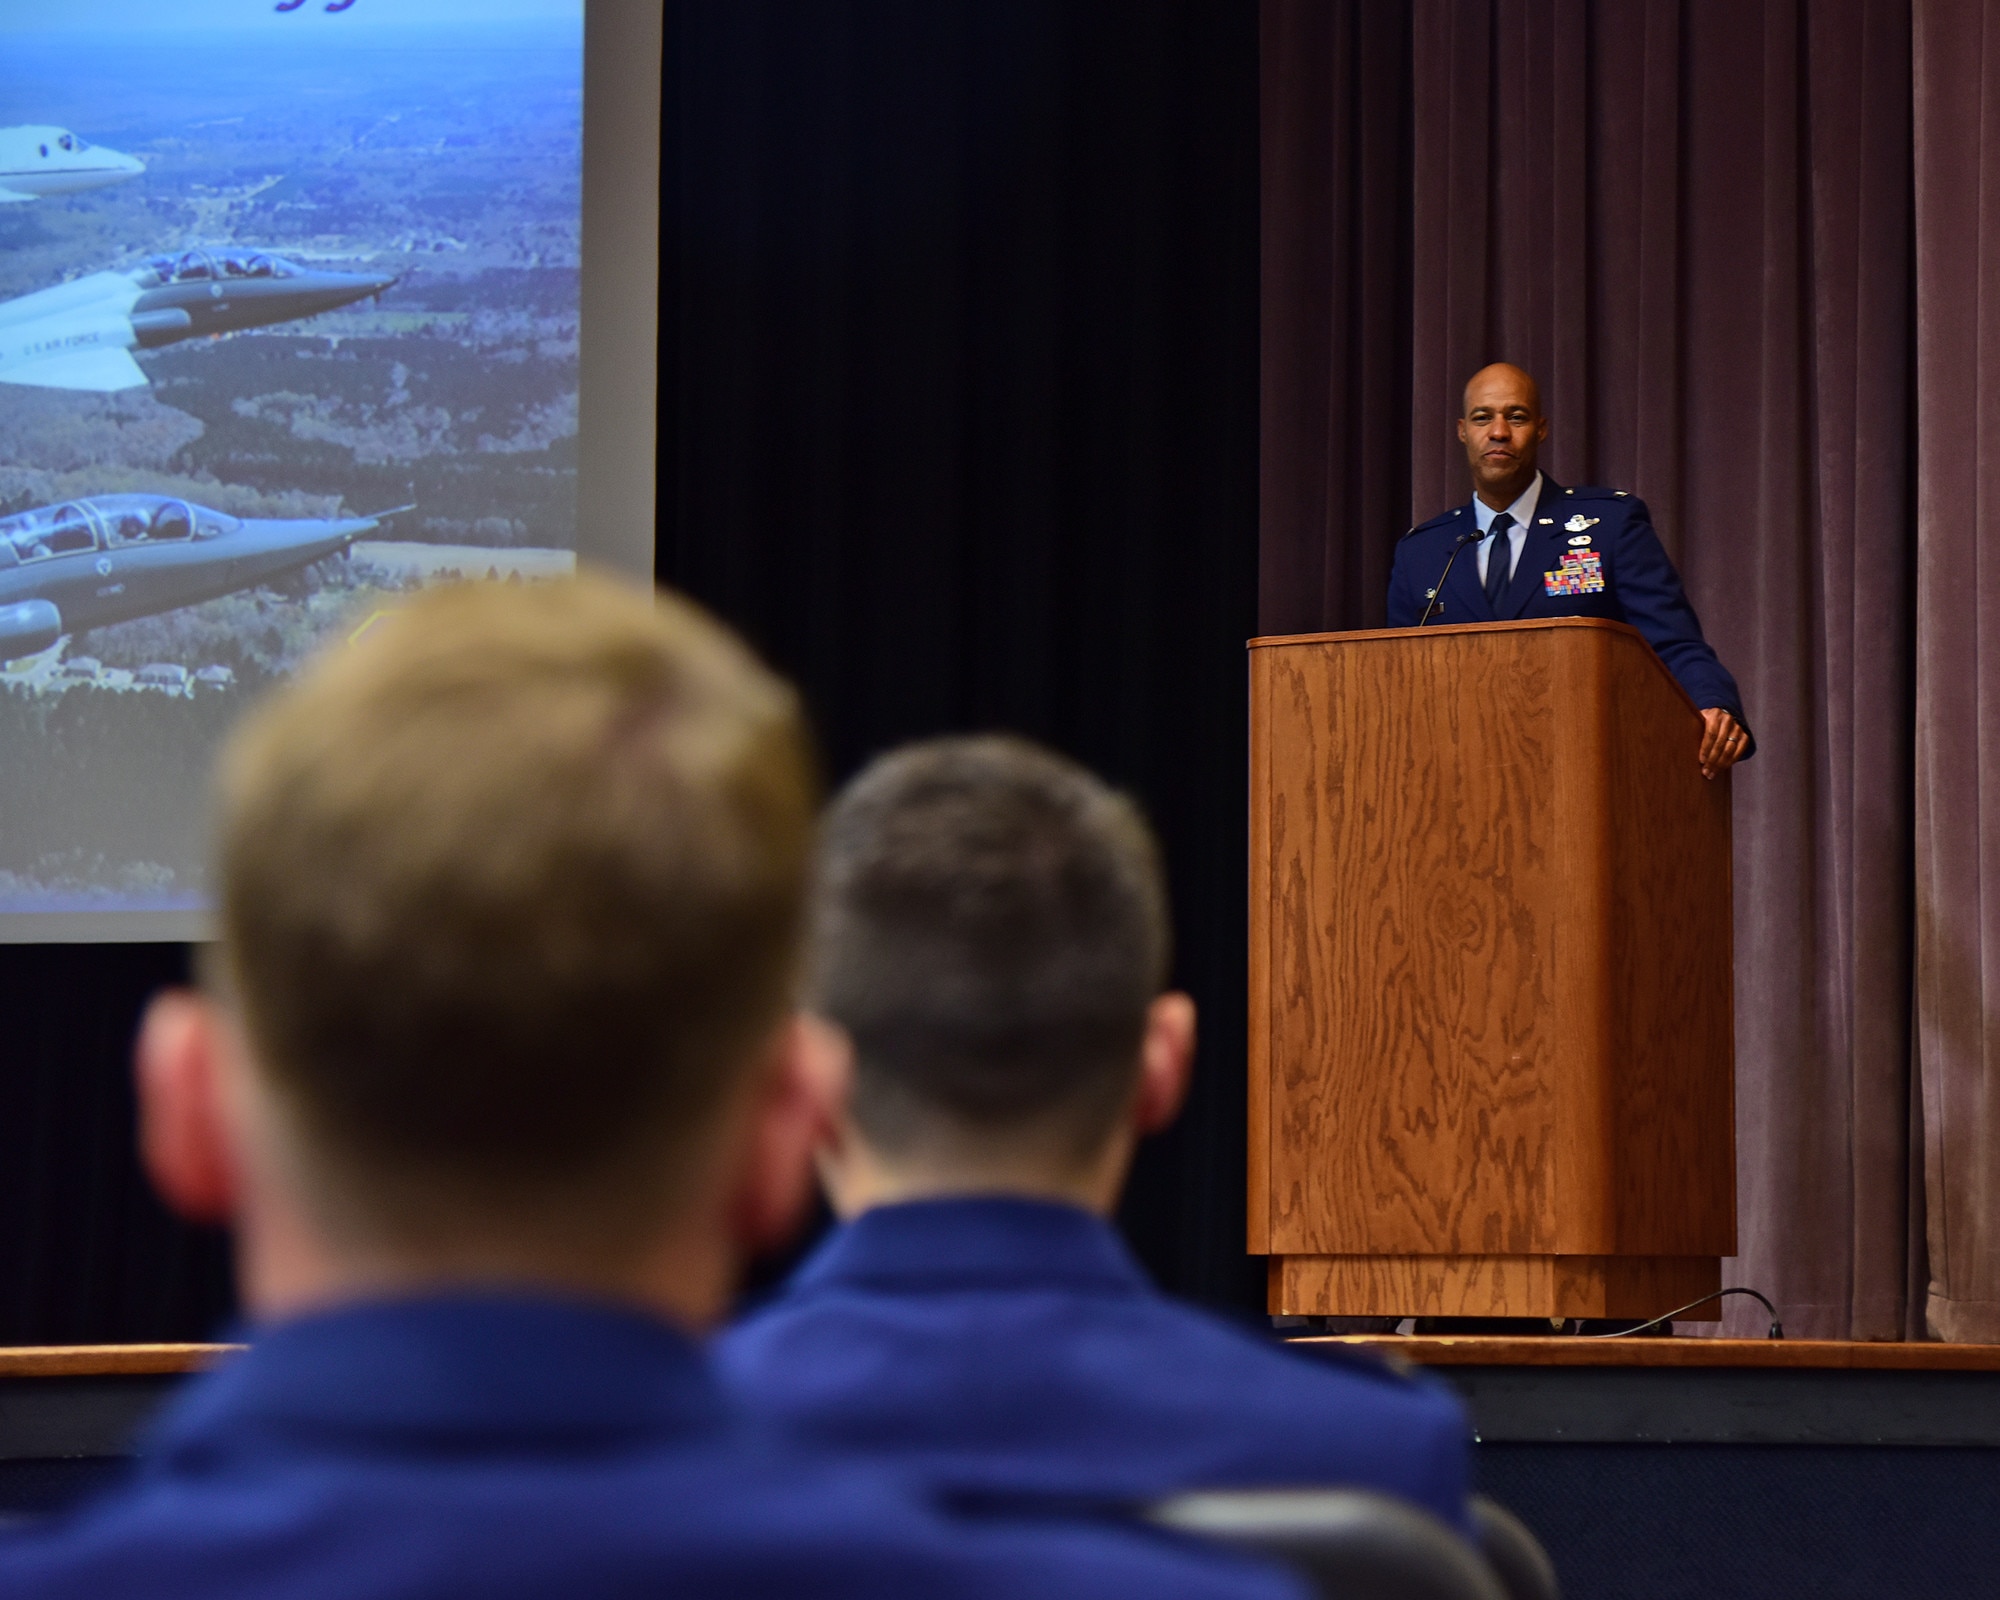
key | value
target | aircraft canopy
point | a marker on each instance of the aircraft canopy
(78, 526)
(202, 266)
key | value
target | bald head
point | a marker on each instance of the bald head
(1502, 429)
(1502, 385)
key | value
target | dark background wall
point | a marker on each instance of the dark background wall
(959, 424)
(86, 1254)
(959, 374)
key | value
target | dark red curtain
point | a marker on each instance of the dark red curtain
(1334, 402)
(1958, 659)
(1692, 220)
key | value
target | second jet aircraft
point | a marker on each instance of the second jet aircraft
(80, 335)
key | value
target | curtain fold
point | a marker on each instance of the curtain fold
(1692, 222)
(1957, 116)
(1335, 339)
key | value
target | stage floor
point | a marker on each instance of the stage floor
(1697, 1469)
(1712, 1391)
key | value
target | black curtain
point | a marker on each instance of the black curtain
(959, 387)
(87, 1255)
(959, 424)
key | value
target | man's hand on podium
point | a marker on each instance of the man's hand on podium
(1722, 741)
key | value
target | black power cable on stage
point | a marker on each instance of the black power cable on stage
(1777, 1327)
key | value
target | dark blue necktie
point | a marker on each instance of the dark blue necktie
(1496, 561)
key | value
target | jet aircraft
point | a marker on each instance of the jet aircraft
(78, 335)
(35, 161)
(113, 557)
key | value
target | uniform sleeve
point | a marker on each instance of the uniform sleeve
(1447, 1456)
(1650, 594)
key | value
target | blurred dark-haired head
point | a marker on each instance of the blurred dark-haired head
(989, 927)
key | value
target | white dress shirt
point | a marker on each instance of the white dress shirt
(1522, 511)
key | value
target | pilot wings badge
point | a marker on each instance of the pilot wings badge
(1579, 522)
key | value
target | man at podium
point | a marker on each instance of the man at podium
(1541, 550)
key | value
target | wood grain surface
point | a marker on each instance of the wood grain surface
(1672, 972)
(1490, 960)
(108, 1360)
(1681, 1352)
(1488, 1286)
(1257, 1211)
(1410, 945)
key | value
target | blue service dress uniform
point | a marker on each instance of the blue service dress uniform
(510, 1448)
(1013, 1351)
(1588, 552)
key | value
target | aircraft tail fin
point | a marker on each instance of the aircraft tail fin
(100, 371)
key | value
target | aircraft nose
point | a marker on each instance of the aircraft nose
(126, 163)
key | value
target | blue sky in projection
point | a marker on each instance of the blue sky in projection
(262, 16)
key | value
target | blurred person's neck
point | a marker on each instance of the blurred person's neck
(295, 1256)
(858, 1176)
(287, 1267)
(945, 1160)
(291, 1263)
(222, 1146)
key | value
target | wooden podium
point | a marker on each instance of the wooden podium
(1491, 1056)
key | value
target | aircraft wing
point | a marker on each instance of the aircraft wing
(101, 294)
(101, 371)
(10, 197)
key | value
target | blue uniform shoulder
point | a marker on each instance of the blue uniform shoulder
(1621, 499)
(1380, 1368)
(1386, 1368)
(1442, 519)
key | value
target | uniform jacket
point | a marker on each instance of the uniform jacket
(505, 1448)
(1588, 553)
(1011, 1348)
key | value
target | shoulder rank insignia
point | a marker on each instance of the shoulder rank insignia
(1579, 522)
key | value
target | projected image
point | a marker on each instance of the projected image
(289, 310)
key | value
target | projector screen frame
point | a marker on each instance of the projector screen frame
(618, 360)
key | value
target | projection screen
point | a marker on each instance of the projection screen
(304, 305)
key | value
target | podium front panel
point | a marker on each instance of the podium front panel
(1490, 1011)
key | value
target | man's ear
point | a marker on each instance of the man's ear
(1166, 1062)
(804, 1093)
(184, 1127)
(1461, 430)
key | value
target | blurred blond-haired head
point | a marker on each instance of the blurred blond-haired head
(511, 893)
